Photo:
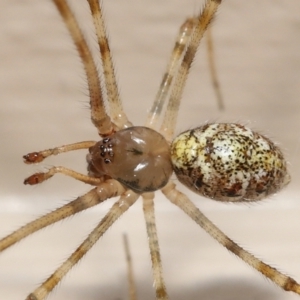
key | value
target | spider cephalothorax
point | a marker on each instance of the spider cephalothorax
(138, 157)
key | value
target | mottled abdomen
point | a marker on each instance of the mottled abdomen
(228, 162)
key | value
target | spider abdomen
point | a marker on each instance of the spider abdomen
(138, 157)
(228, 162)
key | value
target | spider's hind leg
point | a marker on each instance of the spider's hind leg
(185, 204)
(202, 21)
(181, 44)
(159, 284)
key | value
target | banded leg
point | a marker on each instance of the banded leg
(106, 190)
(148, 206)
(121, 206)
(185, 204)
(98, 113)
(180, 46)
(203, 21)
(116, 110)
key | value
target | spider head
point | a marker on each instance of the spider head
(138, 157)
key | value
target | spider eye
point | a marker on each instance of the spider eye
(228, 162)
(138, 157)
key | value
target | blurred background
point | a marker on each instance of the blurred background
(44, 103)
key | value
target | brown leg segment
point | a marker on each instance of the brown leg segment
(160, 287)
(185, 204)
(98, 113)
(202, 21)
(116, 110)
(106, 190)
(121, 206)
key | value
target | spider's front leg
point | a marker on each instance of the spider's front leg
(36, 157)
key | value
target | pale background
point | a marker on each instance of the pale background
(44, 104)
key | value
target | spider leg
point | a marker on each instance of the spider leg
(131, 283)
(126, 200)
(43, 176)
(99, 115)
(36, 157)
(180, 46)
(105, 190)
(185, 204)
(148, 206)
(212, 68)
(116, 110)
(203, 20)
